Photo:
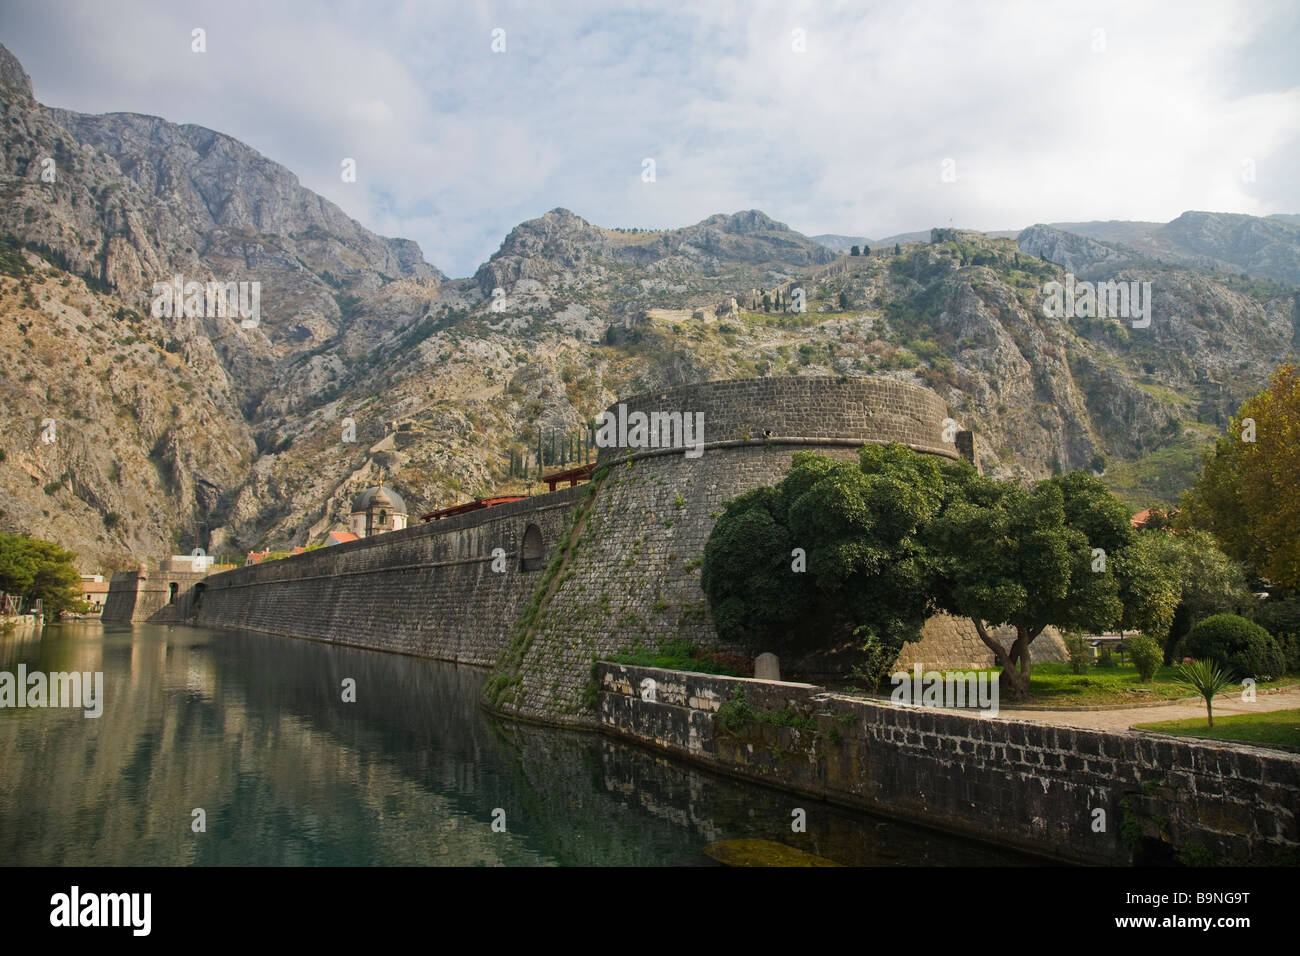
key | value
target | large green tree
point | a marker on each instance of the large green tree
(1029, 559)
(1247, 494)
(833, 553)
(35, 568)
(899, 535)
(1170, 581)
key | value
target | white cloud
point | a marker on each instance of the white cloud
(454, 144)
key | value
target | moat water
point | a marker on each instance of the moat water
(254, 731)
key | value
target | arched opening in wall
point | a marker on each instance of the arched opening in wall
(532, 557)
(174, 588)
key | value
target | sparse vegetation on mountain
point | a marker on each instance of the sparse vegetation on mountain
(197, 432)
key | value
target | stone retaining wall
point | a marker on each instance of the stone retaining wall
(1031, 786)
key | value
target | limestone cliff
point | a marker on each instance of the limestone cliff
(178, 433)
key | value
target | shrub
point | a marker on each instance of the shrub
(877, 658)
(1279, 616)
(1104, 658)
(1240, 645)
(1147, 655)
(1080, 652)
(1289, 644)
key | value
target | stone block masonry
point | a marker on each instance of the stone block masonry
(428, 590)
(154, 596)
(811, 410)
(633, 574)
(1026, 785)
(631, 564)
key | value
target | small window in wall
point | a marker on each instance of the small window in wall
(533, 553)
(175, 589)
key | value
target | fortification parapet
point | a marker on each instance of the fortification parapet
(805, 410)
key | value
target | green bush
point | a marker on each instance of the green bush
(1289, 644)
(1279, 616)
(1147, 654)
(1240, 645)
(877, 659)
(1080, 652)
(1104, 658)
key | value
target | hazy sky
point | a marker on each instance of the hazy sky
(1048, 111)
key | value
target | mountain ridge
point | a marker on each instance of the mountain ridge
(194, 431)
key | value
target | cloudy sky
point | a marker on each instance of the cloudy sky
(832, 117)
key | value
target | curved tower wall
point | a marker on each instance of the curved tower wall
(633, 576)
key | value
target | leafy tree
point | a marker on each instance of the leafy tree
(866, 250)
(39, 569)
(1026, 559)
(864, 576)
(903, 534)
(853, 251)
(1247, 494)
(898, 250)
(1213, 583)
(1152, 572)
(1280, 614)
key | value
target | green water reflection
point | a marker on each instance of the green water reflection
(254, 731)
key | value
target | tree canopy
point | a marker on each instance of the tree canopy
(1247, 494)
(889, 540)
(40, 569)
(1032, 558)
(834, 552)
(1171, 581)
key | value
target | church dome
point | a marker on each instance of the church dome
(380, 497)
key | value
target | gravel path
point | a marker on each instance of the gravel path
(1120, 720)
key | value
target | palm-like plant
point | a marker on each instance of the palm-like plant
(1207, 679)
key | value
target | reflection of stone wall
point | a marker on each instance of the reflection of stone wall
(1021, 784)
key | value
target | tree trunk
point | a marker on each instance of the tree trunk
(1016, 686)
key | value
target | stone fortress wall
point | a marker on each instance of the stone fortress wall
(138, 596)
(629, 574)
(633, 576)
(428, 590)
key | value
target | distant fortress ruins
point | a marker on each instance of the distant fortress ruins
(540, 587)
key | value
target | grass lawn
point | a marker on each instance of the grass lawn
(1276, 728)
(1054, 685)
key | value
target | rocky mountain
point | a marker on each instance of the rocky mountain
(845, 244)
(841, 244)
(175, 432)
(1076, 253)
(1266, 247)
